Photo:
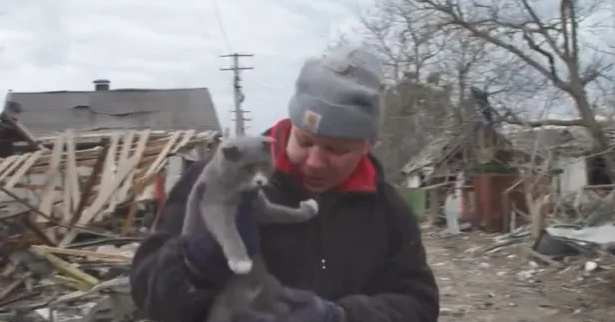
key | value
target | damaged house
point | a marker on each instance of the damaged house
(104, 108)
(576, 162)
(104, 113)
(83, 177)
(480, 165)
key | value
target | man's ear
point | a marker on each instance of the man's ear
(369, 146)
(267, 141)
(375, 143)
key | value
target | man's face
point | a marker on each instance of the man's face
(323, 162)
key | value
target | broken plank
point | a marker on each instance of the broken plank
(71, 177)
(6, 162)
(14, 165)
(16, 177)
(91, 181)
(109, 168)
(162, 157)
(84, 253)
(141, 145)
(187, 136)
(47, 195)
(101, 199)
(128, 142)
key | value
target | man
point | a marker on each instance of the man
(360, 260)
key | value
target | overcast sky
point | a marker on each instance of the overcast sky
(65, 44)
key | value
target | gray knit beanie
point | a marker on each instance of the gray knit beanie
(338, 95)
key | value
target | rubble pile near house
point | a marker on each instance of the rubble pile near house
(484, 277)
(546, 254)
(81, 283)
(582, 227)
(71, 217)
(578, 241)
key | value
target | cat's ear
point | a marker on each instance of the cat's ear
(267, 141)
(231, 153)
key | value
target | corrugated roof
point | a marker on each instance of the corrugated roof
(441, 147)
(45, 113)
(570, 140)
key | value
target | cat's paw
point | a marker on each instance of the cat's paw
(241, 266)
(310, 205)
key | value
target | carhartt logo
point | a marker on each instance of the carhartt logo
(311, 120)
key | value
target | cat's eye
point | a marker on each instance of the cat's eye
(249, 168)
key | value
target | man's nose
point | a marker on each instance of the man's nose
(315, 158)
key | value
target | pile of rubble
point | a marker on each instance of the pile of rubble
(73, 209)
(89, 283)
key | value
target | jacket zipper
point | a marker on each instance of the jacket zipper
(320, 232)
(321, 264)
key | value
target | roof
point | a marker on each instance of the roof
(573, 141)
(45, 113)
(441, 147)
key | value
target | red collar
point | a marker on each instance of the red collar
(363, 178)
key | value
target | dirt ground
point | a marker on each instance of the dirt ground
(505, 286)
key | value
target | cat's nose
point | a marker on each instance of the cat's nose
(260, 180)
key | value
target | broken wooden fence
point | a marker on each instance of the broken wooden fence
(77, 187)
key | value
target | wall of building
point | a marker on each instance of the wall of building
(573, 176)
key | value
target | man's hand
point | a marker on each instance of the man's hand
(304, 306)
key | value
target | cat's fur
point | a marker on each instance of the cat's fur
(257, 290)
(240, 164)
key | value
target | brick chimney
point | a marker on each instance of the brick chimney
(101, 85)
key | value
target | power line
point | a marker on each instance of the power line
(240, 127)
(225, 36)
(217, 16)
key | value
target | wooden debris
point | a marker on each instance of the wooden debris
(63, 199)
(76, 186)
(66, 267)
(82, 253)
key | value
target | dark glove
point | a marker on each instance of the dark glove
(203, 254)
(304, 306)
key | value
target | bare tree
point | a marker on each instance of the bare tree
(432, 68)
(548, 43)
(406, 43)
(408, 48)
(463, 62)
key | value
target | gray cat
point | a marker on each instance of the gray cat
(240, 164)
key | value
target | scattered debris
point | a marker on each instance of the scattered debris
(73, 209)
(602, 235)
(492, 277)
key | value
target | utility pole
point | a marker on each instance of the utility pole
(240, 128)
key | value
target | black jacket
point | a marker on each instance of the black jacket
(363, 251)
